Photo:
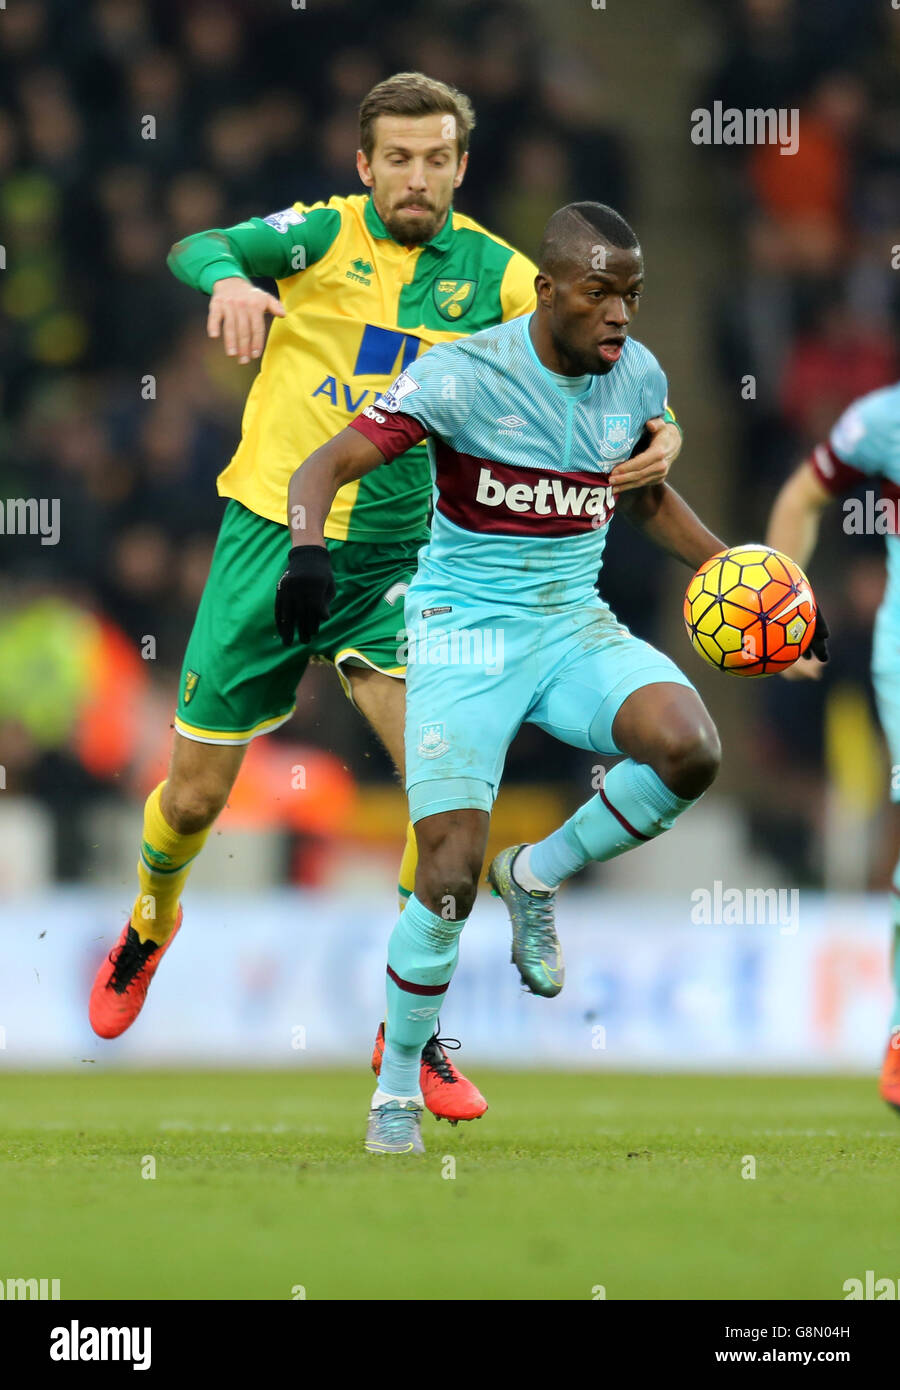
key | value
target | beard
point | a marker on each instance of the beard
(413, 231)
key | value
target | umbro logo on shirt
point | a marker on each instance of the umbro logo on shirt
(513, 423)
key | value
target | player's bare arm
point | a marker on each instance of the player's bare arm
(667, 520)
(306, 589)
(311, 491)
(796, 514)
(794, 530)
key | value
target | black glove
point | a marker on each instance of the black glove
(818, 647)
(304, 593)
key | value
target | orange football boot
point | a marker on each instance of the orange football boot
(121, 984)
(889, 1086)
(447, 1093)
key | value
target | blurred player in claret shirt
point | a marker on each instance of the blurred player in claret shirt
(527, 423)
(864, 446)
(366, 284)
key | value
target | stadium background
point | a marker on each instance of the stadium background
(759, 266)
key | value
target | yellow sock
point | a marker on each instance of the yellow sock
(163, 867)
(406, 879)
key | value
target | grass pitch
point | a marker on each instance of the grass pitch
(632, 1183)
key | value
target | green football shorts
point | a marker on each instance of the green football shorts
(238, 680)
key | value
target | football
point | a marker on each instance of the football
(750, 611)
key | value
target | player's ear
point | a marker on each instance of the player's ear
(463, 165)
(543, 288)
(364, 169)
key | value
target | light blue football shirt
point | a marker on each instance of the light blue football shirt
(865, 443)
(520, 466)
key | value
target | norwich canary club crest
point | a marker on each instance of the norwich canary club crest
(453, 298)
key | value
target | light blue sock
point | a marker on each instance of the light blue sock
(895, 957)
(633, 805)
(422, 955)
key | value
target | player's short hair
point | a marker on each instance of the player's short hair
(570, 228)
(414, 94)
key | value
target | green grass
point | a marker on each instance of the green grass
(632, 1182)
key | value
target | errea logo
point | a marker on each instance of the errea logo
(360, 271)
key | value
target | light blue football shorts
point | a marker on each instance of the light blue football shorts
(475, 673)
(886, 680)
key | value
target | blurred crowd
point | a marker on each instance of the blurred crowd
(807, 322)
(814, 297)
(126, 125)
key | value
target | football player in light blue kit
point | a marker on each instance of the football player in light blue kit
(863, 446)
(503, 622)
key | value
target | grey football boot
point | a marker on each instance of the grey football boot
(395, 1128)
(536, 951)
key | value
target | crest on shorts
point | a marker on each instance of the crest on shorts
(453, 298)
(190, 685)
(432, 743)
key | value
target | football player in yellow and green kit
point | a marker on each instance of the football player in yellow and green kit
(366, 283)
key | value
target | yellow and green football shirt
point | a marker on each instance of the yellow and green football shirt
(359, 308)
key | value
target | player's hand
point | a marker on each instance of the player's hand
(237, 312)
(812, 662)
(304, 594)
(654, 463)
